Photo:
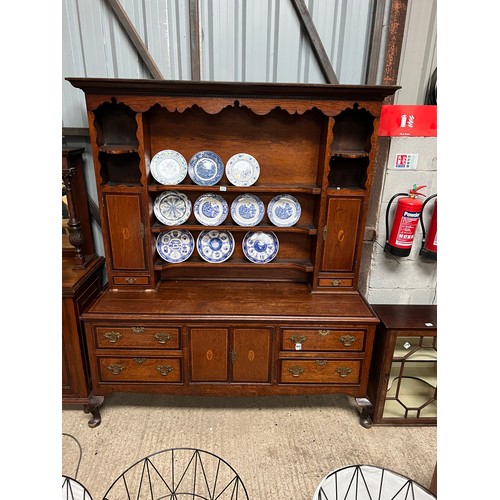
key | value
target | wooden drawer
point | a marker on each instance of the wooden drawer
(320, 371)
(322, 339)
(335, 282)
(145, 337)
(139, 369)
(131, 280)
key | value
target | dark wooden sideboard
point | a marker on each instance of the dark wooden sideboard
(295, 325)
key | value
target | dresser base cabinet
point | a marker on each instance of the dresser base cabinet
(403, 375)
(231, 339)
(80, 287)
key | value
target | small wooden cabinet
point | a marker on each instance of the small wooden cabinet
(296, 324)
(82, 273)
(403, 375)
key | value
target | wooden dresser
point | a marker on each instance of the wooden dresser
(294, 325)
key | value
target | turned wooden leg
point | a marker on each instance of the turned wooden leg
(93, 406)
(366, 409)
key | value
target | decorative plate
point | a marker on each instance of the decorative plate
(168, 167)
(242, 169)
(210, 209)
(205, 168)
(215, 246)
(247, 210)
(175, 245)
(260, 247)
(172, 208)
(284, 210)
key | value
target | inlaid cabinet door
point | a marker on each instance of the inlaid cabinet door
(209, 354)
(251, 354)
(125, 232)
(342, 227)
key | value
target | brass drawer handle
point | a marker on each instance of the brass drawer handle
(343, 371)
(336, 282)
(296, 370)
(112, 336)
(324, 333)
(137, 329)
(164, 369)
(347, 340)
(298, 339)
(139, 361)
(162, 338)
(116, 369)
(321, 362)
(130, 281)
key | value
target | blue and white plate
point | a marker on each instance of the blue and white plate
(205, 168)
(242, 169)
(175, 245)
(215, 246)
(247, 210)
(172, 208)
(210, 209)
(168, 167)
(260, 247)
(284, 210)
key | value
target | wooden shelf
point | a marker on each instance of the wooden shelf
(301, 229)
(195, 261)
(282, 188)
(117, 149)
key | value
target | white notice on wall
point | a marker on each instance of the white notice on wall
(406, 161)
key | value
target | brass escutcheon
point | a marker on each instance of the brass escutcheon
(298, 339)
(296, 370)
(336, 282)
(347, 340)
(139, 361)
(164, 369)
(321, 362)
(137, 329)
(162, 338)
(343, 371)
(324, 333)
(130, 281)
(112, 336)
(115, 369)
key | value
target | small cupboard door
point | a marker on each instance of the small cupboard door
(209, 350)
(251, 354)
(230, 354)
(125, 232)
(341, 234)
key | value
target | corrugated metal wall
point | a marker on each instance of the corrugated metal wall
(241, 40)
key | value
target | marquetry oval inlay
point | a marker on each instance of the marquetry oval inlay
(341, 235)
(126, 233)
(251, 355)
(210, 355)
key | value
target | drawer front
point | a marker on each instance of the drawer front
(322, 339)
(320, 371)
(335, 282)
(150, 337)
(131, 280)
(137, 369)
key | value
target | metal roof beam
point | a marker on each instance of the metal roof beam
(135, 38)
(317, 45)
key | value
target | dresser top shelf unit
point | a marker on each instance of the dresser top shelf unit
(315, 142)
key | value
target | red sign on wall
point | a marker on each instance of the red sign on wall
(408, 121)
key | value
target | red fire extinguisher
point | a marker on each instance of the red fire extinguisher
(405, 222)
(429, 241)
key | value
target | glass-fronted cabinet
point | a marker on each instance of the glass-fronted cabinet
(403, 376)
